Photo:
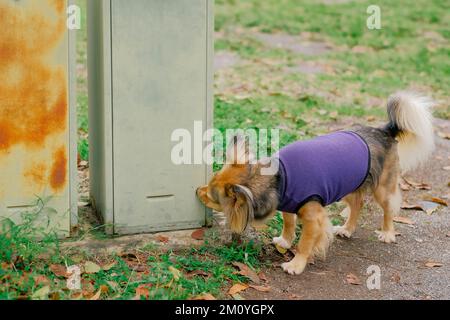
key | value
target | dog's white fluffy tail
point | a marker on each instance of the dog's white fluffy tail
(411, 121)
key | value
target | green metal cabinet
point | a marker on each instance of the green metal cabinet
(37, 114)
(150, 72)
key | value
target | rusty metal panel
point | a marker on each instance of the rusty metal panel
(36, 147)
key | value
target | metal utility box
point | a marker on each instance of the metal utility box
(37, 113)
(150, 72)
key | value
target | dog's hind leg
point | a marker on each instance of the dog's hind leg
(354, 203)
(388, 195)
(288, 234)
(390, 202)
(314, 233)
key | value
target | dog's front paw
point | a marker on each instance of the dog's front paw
(282, 242)
(342, 232)
(386, 236)
(296, 266)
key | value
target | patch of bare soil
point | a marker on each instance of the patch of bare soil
(308, 67)
(224, 59)
(297, 44)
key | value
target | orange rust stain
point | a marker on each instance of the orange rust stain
(59, 5)
(37, 174)
(58, 173)
(33, 94)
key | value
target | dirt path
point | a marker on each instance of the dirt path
(403, 271)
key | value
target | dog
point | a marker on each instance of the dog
(245, 195)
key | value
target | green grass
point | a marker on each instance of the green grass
(28, 257)
(214, 262)
(411, 50)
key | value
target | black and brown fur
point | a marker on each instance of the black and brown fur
(244, 195)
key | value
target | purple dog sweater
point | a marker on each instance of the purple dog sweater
(325, 169)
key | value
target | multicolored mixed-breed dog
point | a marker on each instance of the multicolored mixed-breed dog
(315, 173)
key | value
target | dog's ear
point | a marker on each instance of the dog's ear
(238, 207)
(238, 151)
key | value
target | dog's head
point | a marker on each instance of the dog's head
(239, 190)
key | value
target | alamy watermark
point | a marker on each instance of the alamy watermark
(74, 280)
(374, 20)
(73, 17)
(373, 282)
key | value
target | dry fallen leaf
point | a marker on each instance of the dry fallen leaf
(237, 288)
(87, 288)
(403, 220)
(245, 271)
(59, 270)
(91, 267)
(41, 294)
(198, 234)
(76, 296)
(142, 291)
(263, 277)
(429, 207)
(432, 264)
(54, 296)
(38, 280)
(97, 295)
(447, 168)
(206, 297)
(200, 273)
(162, 239)
(425, 206)
(353, 279)
(175, 272)
(417, 185)
(260, 288)
(140, 268)
(109, 266)
(436, 200)
(405, 186)
(408, 206)
(5, 266)
(281, 249)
